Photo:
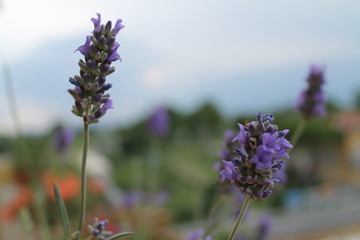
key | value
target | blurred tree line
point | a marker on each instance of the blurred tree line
(188, 153)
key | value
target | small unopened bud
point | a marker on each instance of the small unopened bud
(108, 27)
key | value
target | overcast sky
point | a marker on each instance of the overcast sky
(245, 56)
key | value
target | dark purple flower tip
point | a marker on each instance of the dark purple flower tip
(97, 22)
(73, 81)
(107, 87)
(316, 72)
(118, 27)
(85, 49)
(102, 224)
(96, 232)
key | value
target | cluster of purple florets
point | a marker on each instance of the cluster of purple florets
(260, 148)
(99, 50)
(311, 102)
(97, 229)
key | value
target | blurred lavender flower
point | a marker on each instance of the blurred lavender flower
(161, 197)
(197, 235)
(133, 198)
(261, 147)
(158, 123)
(97, 229)
(62, 140)
(227, 150)
(311, 102)
(263, 229)
(137, 197)
(281, 175)
(99, 50)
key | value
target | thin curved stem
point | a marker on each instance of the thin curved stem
(83, 176)
(240, 217)
(10, 94)
(298, 132)
(210, 218)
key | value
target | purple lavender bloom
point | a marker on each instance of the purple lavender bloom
(99, 51)
(133, 198)
(259, 152)
(226, 151)
(158, 123)
(197, 235)
(118, 27)
(311, 102)
(281, 175)
(263, 229)
(97, 229)
(162, 197)
(97, 22)
(102, 110)
(62, 140)
(85, 49)
(229, 172)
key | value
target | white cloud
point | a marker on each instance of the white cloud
(34, 117)
(154, 77)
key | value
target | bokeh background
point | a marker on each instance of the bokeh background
(210, 64)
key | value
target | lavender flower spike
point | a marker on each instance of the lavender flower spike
(62, 140)
(158, 123)
(311, 102)
(260, 148)
(99, 51)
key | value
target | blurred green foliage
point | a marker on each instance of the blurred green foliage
(186, 156)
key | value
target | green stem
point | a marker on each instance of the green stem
(83, 176)
(210, 218)
(10, 94)
(298, 132)
(154, 165)
(39, 204)
(240, 217)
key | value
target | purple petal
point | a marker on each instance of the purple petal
(241, 137)
(108, 105)
(195, 235)
(228, 172)
(114, 56)
(85, 49)
(118, 27)
(97, 22)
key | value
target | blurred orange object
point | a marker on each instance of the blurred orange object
(69, 184)
(23, 198)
